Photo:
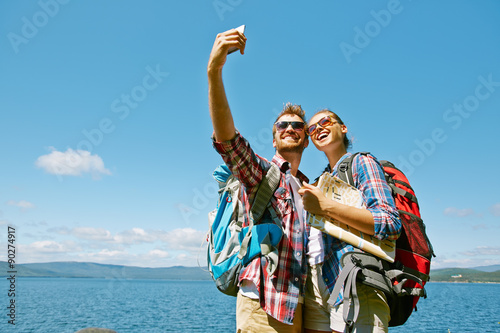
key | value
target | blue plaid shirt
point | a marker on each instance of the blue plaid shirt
(369, 178)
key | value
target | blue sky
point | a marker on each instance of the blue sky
(105, 132)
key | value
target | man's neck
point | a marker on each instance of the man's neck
(293, 158)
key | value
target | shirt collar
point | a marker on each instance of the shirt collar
(285, 166)
(338, 162)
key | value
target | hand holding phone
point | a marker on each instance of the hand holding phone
(241, 29)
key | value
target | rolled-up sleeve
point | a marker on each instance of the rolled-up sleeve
(241, 160)
(378, 197)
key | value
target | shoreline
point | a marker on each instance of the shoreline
(465, 282)
(197, 280)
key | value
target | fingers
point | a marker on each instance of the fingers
(306, 188)
(231, 41)
(242, 40)
(303, 189)
(224, 42)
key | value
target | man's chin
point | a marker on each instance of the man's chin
(290, 148)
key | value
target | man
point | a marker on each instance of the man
(266, 302)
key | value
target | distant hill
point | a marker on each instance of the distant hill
(93, 270)
(478, 274)
(492, 268)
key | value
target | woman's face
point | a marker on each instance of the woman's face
(326, 132)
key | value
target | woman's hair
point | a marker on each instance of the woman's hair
(347, 141)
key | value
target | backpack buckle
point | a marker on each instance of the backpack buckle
(356, 261)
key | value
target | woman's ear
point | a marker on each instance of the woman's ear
(343, 128)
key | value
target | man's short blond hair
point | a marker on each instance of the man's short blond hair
(291, 109)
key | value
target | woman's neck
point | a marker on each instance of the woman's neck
(334, 156)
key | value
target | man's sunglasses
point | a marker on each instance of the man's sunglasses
(325, 121)
(283, 125)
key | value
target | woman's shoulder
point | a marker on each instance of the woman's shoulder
(366, 162)
(364, 157)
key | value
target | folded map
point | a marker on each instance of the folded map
(340, 191)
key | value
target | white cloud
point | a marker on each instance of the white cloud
(495, 209)
(72, 163)
(455, 212)
(153, 258)
(49, 246)
(184, 239)
(95, 234)
(483, 251)
(441, 262)
(23, 204)
(132, 247)
(135, 236)
(106, 254)
(59, 230)
(470, 260)
(158, 253)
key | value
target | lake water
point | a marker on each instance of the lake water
(67, 305)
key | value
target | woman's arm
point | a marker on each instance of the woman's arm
(315, 202)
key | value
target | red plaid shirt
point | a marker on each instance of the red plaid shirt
(283, 288)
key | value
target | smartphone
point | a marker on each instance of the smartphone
(241, 29)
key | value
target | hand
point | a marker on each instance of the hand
(313, 199)
(223, 42)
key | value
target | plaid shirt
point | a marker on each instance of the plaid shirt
(369, 178)
(281, 290)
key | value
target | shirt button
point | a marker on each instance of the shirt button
(296, 279)
(298, 254)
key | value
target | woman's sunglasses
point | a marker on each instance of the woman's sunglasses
(283, 125)
(323, 122)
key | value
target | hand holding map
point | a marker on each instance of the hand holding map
(335, 189)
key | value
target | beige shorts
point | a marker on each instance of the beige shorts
(250, 318)
(316, 308)
(374, 313)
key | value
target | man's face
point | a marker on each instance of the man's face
(290, 139)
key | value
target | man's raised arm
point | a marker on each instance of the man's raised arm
(222, 120)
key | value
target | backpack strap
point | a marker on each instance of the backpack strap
(403, 274)
(267, 186)
(270, 252)
(350, 313)
(344, 170)
(347, 280)
(392, 183)
(362, 267)
(402, 192)
(266, 189)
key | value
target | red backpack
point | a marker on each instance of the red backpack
(402, 281)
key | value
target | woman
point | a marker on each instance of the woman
(380, 218)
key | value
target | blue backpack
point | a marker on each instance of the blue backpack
(230, 246)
